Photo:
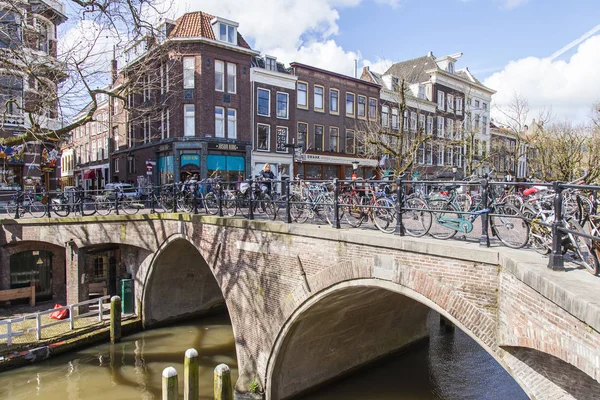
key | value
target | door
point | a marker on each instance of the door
(32, 266)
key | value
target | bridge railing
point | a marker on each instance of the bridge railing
(36, 323)
(546, 216)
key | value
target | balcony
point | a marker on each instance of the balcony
(13, 120)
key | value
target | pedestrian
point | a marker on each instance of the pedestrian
(267, 176)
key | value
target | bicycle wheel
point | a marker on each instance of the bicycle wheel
(211, 204)
(298, 209)
(583, 246)
(438, 230)
(129, 206)
(510, 228)
(463, 200)
(87, 207)
(353, 210)
(267, 206)
(415, 218)
(540, 238)
(36, 210)
(229, 205)
(103, 206)
(384, 216)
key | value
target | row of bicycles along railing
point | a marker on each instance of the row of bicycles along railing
(551, 218)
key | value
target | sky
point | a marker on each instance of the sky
(548, 51)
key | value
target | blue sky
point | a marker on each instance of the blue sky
(488, 34)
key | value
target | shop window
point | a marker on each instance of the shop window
(228, 168)
(313, 171)
(330, 171)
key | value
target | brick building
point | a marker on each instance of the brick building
(450, 105)
(274, 116)
(189, 109)
(330, 109)
(28, 38)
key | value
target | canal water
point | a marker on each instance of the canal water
(451, 366)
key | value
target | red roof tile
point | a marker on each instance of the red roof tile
(197, 24)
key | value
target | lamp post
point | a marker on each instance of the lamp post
(294, 147)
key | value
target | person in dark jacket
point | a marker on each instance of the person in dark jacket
(267, 175)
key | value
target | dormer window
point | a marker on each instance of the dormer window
(225, 30)
(451, 67)
(270, 63)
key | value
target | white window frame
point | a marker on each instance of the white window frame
(374, 116)
(450, 102)
(337, 103)
(353, 112)
(116, 164)
(450, 127)
(440, 127)
(189, 116)
(287, 105)
(231, 123)
(268, 114)
(429, 126)
(287, 136)
(413, 121)
(189, 73)
(422, 119)
(405, 121)
(231, 78)
(459, 105)
(395, 116)
(385, 110)
(366, 106)
(441, 100)
(220, 73)
(220, 133)
(322, 108)
(268, 137)
(298, 104)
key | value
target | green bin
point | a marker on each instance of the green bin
(127, 302)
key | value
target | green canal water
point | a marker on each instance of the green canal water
(451, 366)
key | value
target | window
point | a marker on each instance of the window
(395, 84)
(318, 137)
(334, 134)
(100, 267)
(394, 118)
(282, 105)
(189, 68)
(10, 29)
(413, 121)
(334, 101)
(476, 103)
(318, 98)
(449, 127)
(349, 142)
(282, 139)
(405, 121)
(440, 155)
(421, 154)
(451, 67)
(429, 129)
(450, 102)
(263, 137)
(429, 153)
(484, 106)
(232, 123)
(385, 116)
(302, 95)
(116, 164)
(362, 107)
(350, 105)
(484, 148)
(421, 122)
(302, 129)
(440, 126)
(448, 157)
(476, 127)
(94, 154)
(421, 93)
(189, 115)
(467, 124)
(264, 101)
(440, 100)
(270, 64)
(457, 157)
(484, 125)
(459, 105)
(219, 122)
(219, 76)
(231, 78)
(226, 32)
(372, 108)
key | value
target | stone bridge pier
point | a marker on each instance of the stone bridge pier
(309, 304)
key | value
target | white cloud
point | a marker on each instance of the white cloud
(568, 87)
(510, 4)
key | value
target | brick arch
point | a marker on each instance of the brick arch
(178, 263)
(430, 294)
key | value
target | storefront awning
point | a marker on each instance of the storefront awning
(89, 174)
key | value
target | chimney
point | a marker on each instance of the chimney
(355, 68)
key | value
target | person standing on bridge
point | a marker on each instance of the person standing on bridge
(267, 176)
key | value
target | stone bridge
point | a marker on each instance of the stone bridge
(308, 303)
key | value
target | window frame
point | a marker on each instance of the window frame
(450, 102)
(353, 141)
(268, 143)
(385, 122)
(413, 121)
(374, 116)
(459, 105)
(365, 98)
(287, 105)
(287, 136)
(234, 76)
(337, 147)
(298, 105)
(315, 108)
(193, 119)
(305, 133)
(441, 100)
(337, 111)
(440, 132)
(322, 136)
(353, 113)
(397, 115)
(187, 71)
(222, 119)
(234, 120)
(221, 74)
(258, 90)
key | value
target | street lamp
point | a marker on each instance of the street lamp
(294, 147)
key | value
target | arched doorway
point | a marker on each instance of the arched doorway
(179, 285)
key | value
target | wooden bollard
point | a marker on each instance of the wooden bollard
(191, 381)
(223, 388)
(170, 386)
(115, 319)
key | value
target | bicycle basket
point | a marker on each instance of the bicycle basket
(244, 186)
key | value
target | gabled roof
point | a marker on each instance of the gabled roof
(413, 71)
(198, 24)
(466, 74)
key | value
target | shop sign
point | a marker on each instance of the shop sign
(190, 159)
(325, 159)
(225, 147)
(164, 147)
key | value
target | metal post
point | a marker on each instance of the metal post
(484, 239)
(71, 319)
(48, 204)
(152, 210)
(251, 200)
(195, 197)
(400, 231)
(336, 204)
(220, 199)
(191, 381)
(116, 202)
(38, 326)
(175, 189)
(115, 319)
(9, 333)
(556, 260)
(288, 210)
(17, 200)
